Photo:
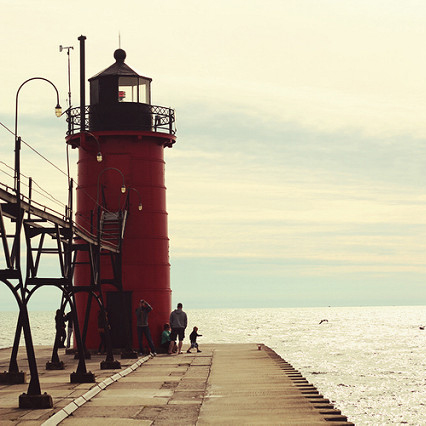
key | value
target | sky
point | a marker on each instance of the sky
(298, 177)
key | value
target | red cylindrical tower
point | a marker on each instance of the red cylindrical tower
(131, 135)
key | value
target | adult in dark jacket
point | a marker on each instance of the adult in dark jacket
(60, 328)
(142, 326)
(178, 323)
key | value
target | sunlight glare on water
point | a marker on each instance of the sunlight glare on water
(369, 361)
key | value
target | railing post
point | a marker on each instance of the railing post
(70, 204)
(69, 120)
(30, 194)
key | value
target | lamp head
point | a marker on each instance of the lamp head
(58, 110)
(140, 207)
(123, 189)
(99, 157)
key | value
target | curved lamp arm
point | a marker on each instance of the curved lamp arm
(58, 108)
(123, 187)
(140, 199)
(58, 112)
(99, 154)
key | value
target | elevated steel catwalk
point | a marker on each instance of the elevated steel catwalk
(69, 239)
(56, 218)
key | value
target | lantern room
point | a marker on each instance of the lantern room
(120, 98)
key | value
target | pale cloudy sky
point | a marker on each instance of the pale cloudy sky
(298, 177)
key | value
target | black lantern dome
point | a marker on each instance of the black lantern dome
(120, 98)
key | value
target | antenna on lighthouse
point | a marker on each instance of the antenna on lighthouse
(68, 48)
(119, 40)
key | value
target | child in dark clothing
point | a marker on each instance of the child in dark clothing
(193, 337)
(165, 337)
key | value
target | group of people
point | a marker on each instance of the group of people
(171, 338)
(173, 332)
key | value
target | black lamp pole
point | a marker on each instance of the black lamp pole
(34, 385)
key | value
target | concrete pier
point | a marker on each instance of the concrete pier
(224, 384)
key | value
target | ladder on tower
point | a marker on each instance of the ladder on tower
(112, 226)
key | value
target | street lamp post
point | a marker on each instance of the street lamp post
(33, 398)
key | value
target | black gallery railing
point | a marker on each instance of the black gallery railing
(122, 116)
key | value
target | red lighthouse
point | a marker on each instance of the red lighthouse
(130, 134)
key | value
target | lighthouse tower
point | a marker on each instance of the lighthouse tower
(129, 134)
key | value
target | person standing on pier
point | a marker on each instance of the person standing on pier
(70, 328)
(142, 327)
(178, 323)
(60, 328)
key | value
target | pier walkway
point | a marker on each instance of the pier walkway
(234, 384)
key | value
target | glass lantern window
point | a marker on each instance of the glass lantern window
(144, 91)
(128, 89)
(134, 89)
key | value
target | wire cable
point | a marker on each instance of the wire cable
(34, 150)
(6, 173)
(44, 193)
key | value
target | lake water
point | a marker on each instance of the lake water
(369, 361)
